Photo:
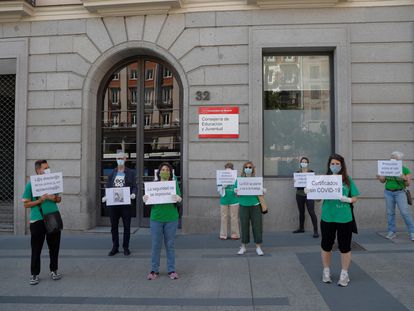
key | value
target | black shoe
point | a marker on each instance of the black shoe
(298, 231)
(113, 252)
(316, 235)
(127, 252)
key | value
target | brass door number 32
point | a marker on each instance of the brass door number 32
(202, 95)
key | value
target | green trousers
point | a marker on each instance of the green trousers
(253, 215)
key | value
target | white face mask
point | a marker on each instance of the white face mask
(120, 162)
(46, 171)
(303, 164)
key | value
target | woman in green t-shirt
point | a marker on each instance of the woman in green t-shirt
(395, 195)
(250, 212)
(336, 221)
(229, 206)
(163, 224)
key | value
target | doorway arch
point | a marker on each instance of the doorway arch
(99, 72)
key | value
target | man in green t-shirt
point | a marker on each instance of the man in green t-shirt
(38, 232)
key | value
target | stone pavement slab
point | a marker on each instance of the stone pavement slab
(213, 277)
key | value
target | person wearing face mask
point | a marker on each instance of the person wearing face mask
(394, 195)
(301, 201)
(47, 203)
(250, 212)
(336, 222)
(229, 206)
(121, 176)
(163, 224)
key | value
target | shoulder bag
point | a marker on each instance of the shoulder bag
(53, 221)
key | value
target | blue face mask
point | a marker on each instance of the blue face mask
(248, 171)
(120, 162)
(335, 169)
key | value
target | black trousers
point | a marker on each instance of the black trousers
(124, 212)
(343, 233)
(310, 204)
(38, 235)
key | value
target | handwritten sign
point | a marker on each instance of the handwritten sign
(160, 192)
(325, 187)
(118, 196)
(46, 184)
(300, 179)
(250, 186)
(226, 177)
(389, 168)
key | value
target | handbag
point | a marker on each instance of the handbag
(354, 225)
(53, 221)
(409, 197)
(263, 204)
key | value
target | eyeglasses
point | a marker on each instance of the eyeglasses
(249, 167)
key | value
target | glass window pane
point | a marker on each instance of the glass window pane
(297, 113)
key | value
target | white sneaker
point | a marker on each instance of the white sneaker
(343, 279)
(242, 250)
(390, 235)
(412, 237)
(326, 276)
(259, 251)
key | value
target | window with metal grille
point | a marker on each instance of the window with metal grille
(7, 116)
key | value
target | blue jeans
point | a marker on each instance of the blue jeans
(158, 231)
(399, 198)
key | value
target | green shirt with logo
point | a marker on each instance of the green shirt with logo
(230, 196)
(396, 183)
(166, 212)
(337, 211)
(47, 206)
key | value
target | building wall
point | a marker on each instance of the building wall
(214, 50)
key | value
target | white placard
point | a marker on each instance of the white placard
(118, 196)
(46, 184)
(226, 177)
(325, 187)
(160, 192)
(250, 186)
(389, 168)
(300, 179)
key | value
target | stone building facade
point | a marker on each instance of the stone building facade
(64, 56)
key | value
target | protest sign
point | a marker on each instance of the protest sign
(160, 192)
(118, 196)
(226, 177)
(46, 184)
(300, 179)
(250, 186)
(325, 187)
(389, 168)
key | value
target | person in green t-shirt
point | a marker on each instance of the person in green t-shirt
(38, 232)
(163, 224)
(229, 206)
(250, 212)
(395, 195)
(336, 221)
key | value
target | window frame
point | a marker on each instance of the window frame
(301, 52)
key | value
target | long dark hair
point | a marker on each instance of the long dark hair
(167, 165)
(343, 170)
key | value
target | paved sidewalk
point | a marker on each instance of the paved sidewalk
(213, 277)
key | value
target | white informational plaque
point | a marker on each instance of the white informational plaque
(389, 168)
(160, 192)
(226, 177)
(118, 196)
(300, 179)
(325, 187)
(250, 186)
(46, 184)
